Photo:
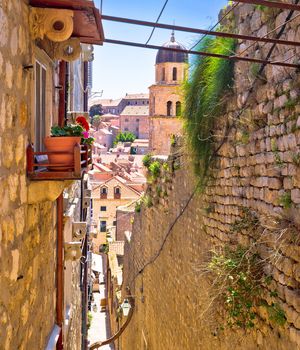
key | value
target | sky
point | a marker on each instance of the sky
(117, 69)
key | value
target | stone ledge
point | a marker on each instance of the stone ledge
(43, 191)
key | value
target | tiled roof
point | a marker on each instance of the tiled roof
(136, 96)
(135, 110)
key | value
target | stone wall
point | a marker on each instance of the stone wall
(27, 209)
(28, 235)
(162, 129)
(256, 169)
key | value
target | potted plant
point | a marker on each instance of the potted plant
(63, 139)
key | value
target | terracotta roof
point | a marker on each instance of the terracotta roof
(136, 96)
(109, 115)
(135, 110)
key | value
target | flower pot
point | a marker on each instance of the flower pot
(64, 144)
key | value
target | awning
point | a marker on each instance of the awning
(97, 264)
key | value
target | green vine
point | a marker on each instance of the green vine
(211, 79)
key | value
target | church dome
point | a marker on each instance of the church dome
(171, 56)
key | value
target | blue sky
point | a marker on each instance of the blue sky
(117, 69)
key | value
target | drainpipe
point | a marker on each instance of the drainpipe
(59, 271)
(59, 212)
(85, 85)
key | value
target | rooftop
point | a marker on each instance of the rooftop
(136, 96)
(135, 110)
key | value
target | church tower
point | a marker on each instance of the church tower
(165, 96)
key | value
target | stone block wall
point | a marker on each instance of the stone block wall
(162, 130)
(256, 169)
(27, 231)
(27, 209)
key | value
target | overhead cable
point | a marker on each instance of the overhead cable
(153, 29)
(221, 19)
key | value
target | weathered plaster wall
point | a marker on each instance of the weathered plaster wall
(257, 168)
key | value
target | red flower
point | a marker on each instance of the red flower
(83, 122)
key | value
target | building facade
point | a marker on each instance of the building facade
(42, 289)
(165, 97)
(135, 119)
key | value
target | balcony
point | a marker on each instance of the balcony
(40, 168)
(103, 195)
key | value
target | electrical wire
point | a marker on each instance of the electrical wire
(153, 29)
(270, 32)
(157, 254)
(221, 19)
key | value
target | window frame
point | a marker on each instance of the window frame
(103, 227)
(51, 96)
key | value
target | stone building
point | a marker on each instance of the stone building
(107, 196)
(165, 97)
(135, 119)
(116, 106)
(43, 284)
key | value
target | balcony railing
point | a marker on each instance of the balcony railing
(103, 195)
(39, 167)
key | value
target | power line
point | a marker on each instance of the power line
(153, 29)
(203, 53)
(157, 254)
(199, 31)
(276, 4)
(224, 16)
(270, 32)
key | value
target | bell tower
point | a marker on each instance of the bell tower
(165, 95)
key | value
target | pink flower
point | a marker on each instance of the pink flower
(85, 134)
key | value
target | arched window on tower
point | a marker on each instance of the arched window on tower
(178, 109)
(169, 108)
(174, 73)
(163, 74)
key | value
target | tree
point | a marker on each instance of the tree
(126, 136)
(96, 110)
(95, 120)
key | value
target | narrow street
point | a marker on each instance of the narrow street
(100, 327)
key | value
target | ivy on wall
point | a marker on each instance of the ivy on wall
(210, 81)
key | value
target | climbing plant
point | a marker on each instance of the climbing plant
(210, 80)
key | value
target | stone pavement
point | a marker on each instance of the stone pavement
(100, 329)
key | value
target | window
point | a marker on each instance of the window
(40, 106)
(126, 129)
(117, 192)
(103, 208)
(174, 73)
(126, 120)
(114, 223)
(178, 108)
(169, 108)
(163, 74)
(102, 226)
(103, 193)
(137, 120)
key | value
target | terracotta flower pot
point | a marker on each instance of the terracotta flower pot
(61, 144)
